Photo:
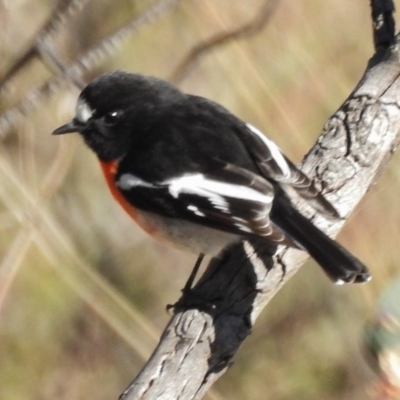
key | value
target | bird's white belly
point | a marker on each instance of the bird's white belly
(185, 235)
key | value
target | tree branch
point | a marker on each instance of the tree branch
(63, 11)
(356, 143)
(74, 73)
(259, 22)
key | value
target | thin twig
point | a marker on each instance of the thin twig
(256, 25)
(60, 15)
(93, 57)
(74, 73)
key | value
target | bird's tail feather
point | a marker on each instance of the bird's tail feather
(338, 263)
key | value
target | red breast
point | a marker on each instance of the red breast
(110, 169)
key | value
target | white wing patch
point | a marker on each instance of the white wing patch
(243, 228)
(214, 191)
(274, 150)
(129, 181)
(196, 210)
(221, 196)
(197, 184)
(83, 112)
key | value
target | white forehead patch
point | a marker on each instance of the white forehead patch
(83, 111)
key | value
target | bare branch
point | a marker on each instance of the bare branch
(257, 24)
(107, 46)
(74, 73)
(63, 11)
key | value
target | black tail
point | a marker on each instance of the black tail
(336, 261)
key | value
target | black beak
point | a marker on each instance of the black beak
(67, 128)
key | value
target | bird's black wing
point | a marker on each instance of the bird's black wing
(276, 166)
(340, 265)
(225, 197)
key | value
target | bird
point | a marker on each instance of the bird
(194, 175)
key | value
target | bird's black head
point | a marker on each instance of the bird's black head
(115, 109)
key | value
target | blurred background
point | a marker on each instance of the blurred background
(82, 290)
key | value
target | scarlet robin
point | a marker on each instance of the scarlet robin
(191, 173)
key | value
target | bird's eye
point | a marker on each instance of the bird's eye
(112, 117)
